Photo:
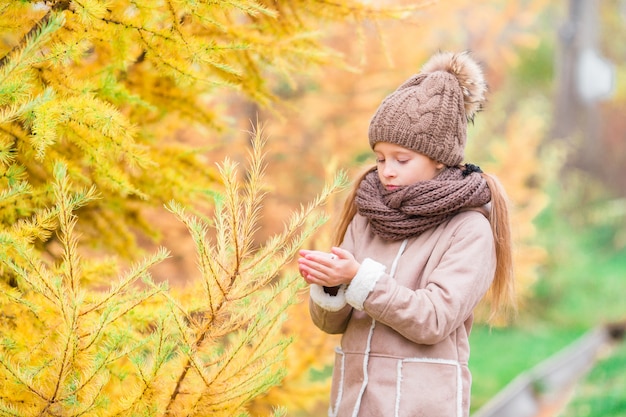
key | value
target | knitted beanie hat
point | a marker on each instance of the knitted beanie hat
(429, 112)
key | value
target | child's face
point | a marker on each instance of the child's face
(398, 166)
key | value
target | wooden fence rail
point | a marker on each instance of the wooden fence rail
(544, 385)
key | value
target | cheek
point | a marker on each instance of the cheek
(427, 172)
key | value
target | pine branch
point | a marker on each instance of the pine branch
(112, 314)
(136, 272)
(17, 188)
(10, 411)
(94, 377)
(140, 360)
(67, 222)
(51, 22)
(66, 359)
(189, 364)
(210, 267)
(254, 195)
(235, 219)
(39, 279)
(15, 296)
(25, 380)
(297, 220)
(14, 111)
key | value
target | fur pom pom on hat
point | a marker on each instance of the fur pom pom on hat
(429, 112)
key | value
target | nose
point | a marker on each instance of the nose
(388, 171)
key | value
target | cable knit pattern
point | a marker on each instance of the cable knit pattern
(408, 211)
(429, 112)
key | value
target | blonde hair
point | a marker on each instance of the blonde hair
(349, 209)
(502, 291)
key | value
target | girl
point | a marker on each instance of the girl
(421, 240)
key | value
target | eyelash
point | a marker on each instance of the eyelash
(404, 161)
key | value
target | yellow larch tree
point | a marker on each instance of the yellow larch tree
(143, 350)
(93, 97)
(108, 87)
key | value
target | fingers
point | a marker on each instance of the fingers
(316, 267)
(328, 269)
(341, 253)
(312, 267)
(317, 260)
(311, 277)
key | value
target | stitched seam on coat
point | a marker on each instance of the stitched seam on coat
(394, 265)
(331, 412)
(398, 388)
(459, 378)
(381, 269)
(357, 406)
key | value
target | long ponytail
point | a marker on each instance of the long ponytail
(502, 291)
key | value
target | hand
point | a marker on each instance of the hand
(328, 269)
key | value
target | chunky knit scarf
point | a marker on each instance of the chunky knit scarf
(408, 211)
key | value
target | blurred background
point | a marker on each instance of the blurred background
(553, 130)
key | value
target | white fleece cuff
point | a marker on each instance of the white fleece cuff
(363, 282)
(328, 302)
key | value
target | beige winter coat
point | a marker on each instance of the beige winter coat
(406, 318)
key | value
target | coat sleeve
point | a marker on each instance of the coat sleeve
(331, 313)
(455, 286)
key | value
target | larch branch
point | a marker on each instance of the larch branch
(58, 6)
